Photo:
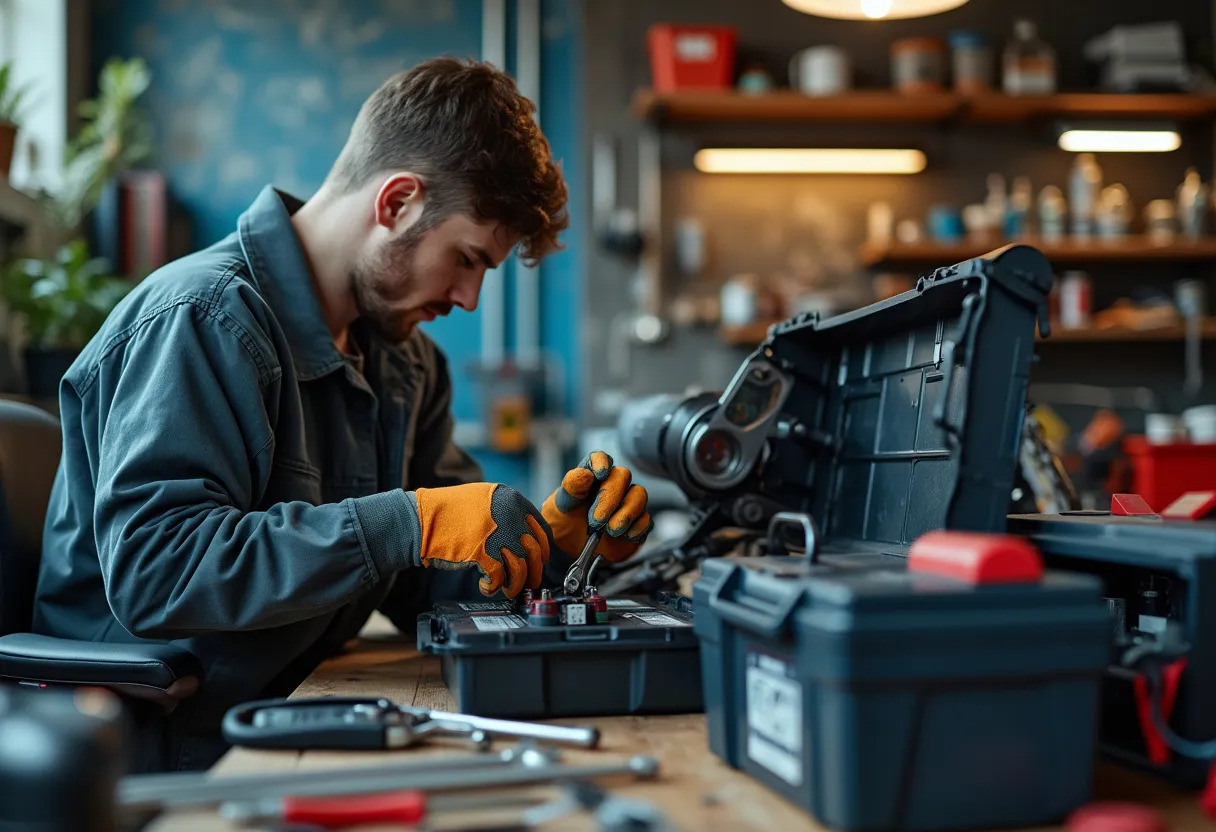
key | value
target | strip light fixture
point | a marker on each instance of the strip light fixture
(1120, 141)
(808, 160)
(873, 9)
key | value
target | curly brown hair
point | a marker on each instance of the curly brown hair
(466, 130)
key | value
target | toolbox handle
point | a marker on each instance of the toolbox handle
(954, 351)
(799, 519)
(426, 632)
(764, 622)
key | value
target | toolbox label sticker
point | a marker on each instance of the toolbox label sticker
(486, 606)
(496, 623)
(622, 602)
(659, 619)
(774, 717)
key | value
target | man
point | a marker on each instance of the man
(257, 444)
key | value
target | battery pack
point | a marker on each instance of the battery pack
(498, 661)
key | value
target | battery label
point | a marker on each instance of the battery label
(774, 717)
(496, 623)
(576, 613)
(486, 606)
(659, 619)
(622, 602)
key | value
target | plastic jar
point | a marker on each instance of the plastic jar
(918, 64)
(972, 60)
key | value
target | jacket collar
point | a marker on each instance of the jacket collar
(281, 271)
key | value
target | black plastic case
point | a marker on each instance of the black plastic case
(1176, 559)
(643, 661)
(875, 698)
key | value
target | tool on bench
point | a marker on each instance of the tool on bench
(612, 814)
(375, 723)
(179, 789)
(576, 576)
(523, 766)
(409, 806)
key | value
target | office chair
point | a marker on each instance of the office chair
(148, 675)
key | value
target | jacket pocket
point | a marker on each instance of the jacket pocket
(292, 479)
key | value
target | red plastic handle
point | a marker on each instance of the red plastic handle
(339, 812)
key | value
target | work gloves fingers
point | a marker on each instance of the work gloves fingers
(598, 496)
(485, 526)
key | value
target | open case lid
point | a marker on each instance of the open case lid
(916, 402)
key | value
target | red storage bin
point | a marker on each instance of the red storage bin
(684, 57)
(1163, 473)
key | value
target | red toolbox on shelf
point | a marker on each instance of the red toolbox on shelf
(686, 57)
(1162, 473)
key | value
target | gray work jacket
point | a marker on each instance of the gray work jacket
(231, 482)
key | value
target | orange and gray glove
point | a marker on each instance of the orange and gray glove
(485, 526)
(617, 506)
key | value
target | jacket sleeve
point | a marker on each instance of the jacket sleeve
(184, 445)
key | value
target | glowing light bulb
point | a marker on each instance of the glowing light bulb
(876, 9)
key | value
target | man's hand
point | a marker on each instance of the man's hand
(487, 526)
(618, 508)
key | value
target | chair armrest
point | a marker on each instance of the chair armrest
(164, 673)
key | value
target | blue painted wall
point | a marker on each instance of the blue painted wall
(246, 94)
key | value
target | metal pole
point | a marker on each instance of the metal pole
(493, 293)
(527, 279)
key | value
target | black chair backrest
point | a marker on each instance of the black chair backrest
(30, 445)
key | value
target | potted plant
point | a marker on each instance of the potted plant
(114, 137)
(63, 301)
(11, 99)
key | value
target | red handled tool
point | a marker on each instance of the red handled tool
(405, 806)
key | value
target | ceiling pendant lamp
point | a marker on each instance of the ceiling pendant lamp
(873, 9)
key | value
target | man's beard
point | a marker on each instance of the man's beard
(376, 281)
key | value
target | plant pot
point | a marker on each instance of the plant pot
(8, 142)
(44, 369)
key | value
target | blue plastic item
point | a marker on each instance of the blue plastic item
(878, 699)
(875, 698)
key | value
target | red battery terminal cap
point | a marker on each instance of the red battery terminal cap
(1131, 505)
(976, 558)
(1115, 817)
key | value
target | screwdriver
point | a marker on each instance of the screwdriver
(406, 806)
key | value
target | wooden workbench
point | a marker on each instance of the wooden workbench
(694, 789)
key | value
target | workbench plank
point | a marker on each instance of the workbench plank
(695, 789)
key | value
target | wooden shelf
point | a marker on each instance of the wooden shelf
(864, 106)
(888, 106)
(1168, 333)
(1129, 249)
(1004, 109)
(752, 334)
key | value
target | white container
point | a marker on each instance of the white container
(1076, 300)
(820, 70)
(739, 298)
(1163, 428)
(1201, 423)
(1084, 186)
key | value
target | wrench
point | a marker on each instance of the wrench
(578, 572)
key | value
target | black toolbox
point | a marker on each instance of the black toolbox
(877, 697)
(1157, 574)
(643, 660)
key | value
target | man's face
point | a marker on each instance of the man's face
(418, 275)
